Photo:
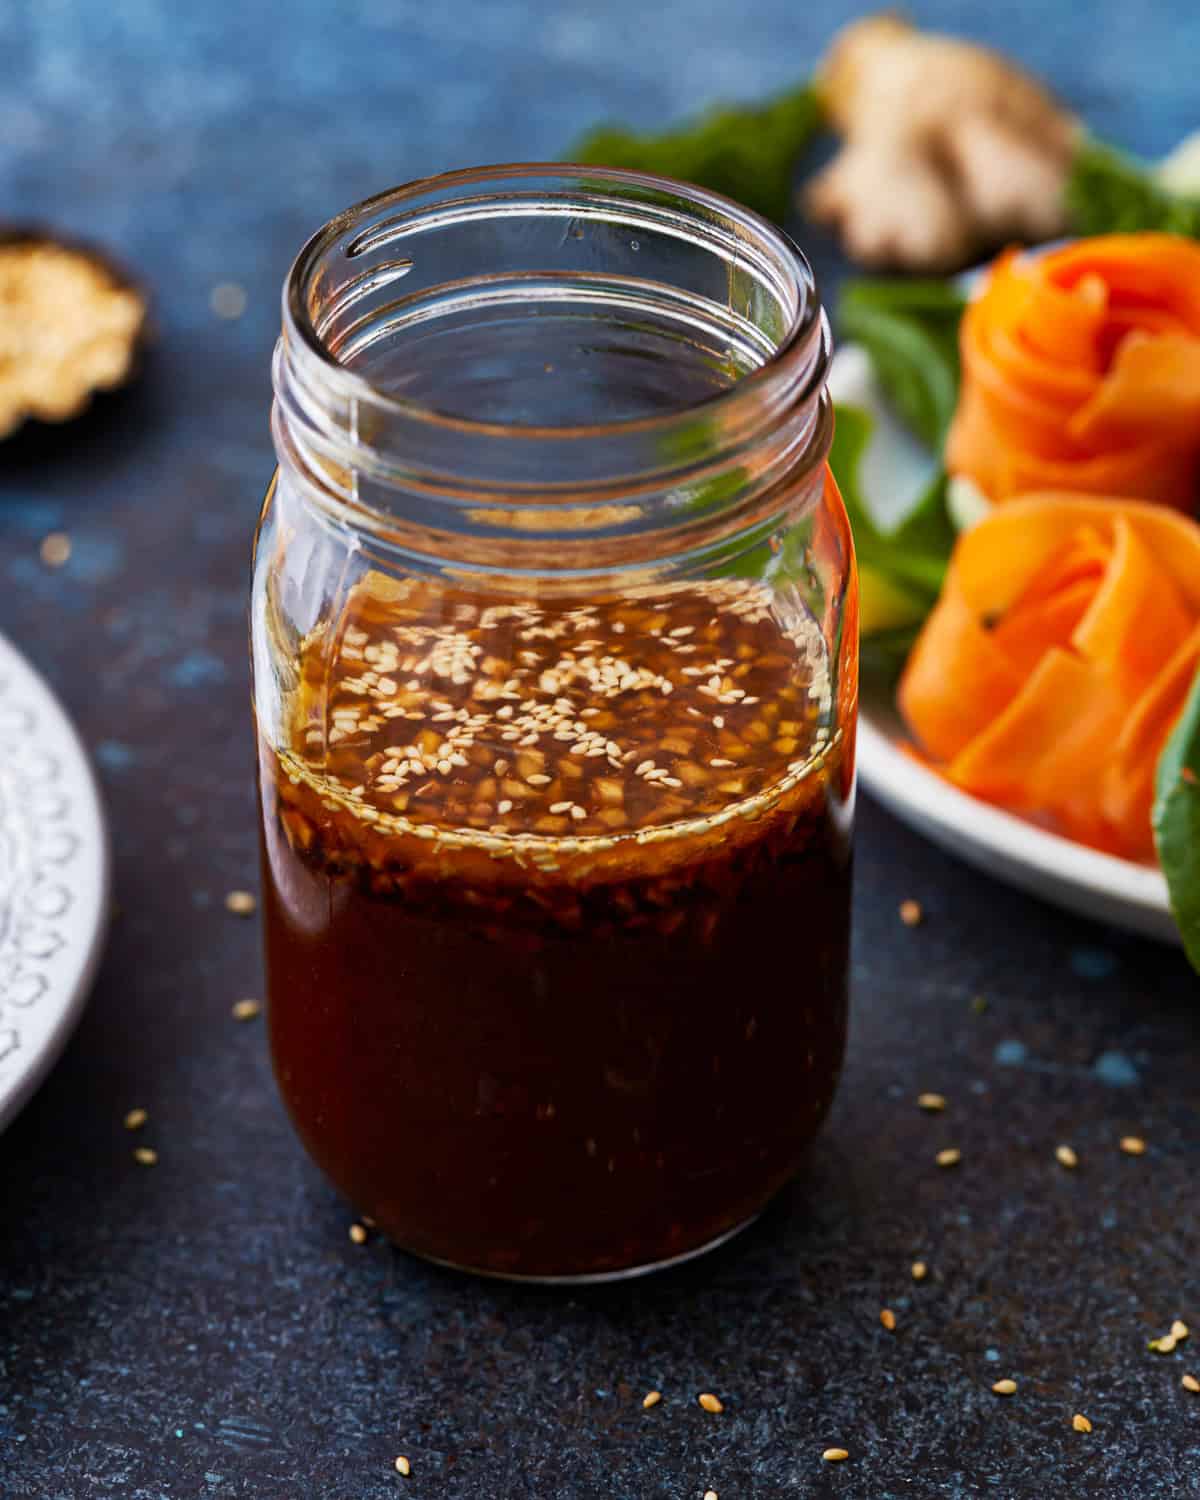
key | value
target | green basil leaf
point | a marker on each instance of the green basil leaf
(1177, 822)
(747, 153)
(915, 554)
(851, 433)
(921, 545)
(910, 332)
(882, 656)
(1109, 192)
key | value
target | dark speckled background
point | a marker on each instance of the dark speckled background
(206, 1330)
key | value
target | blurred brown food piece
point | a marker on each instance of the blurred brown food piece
(949, 150)
(70, 325)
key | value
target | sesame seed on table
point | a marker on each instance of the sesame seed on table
(198, 1320)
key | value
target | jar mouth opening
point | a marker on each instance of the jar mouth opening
(321, 319)
(508, 359)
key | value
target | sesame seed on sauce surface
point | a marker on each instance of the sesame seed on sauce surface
(427, 711)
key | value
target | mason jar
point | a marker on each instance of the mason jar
(555, 681)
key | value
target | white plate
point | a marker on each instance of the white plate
(54, 879)
(1071, 875)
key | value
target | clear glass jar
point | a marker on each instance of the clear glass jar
(555, 680)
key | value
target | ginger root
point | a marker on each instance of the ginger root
(948, 149)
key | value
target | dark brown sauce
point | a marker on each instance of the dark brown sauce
(557, 909)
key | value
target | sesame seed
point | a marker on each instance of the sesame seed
(246, 1010)
(1133, 1145)
(504, 807)
(241, 903)
(55, 550)
(1164, 1345)
(888, 1318)
(919, 1270)
(228, 300)
(710, 1402)
(1065, 1156)
(403, 1466)
(931, 1102)
(911, 913)
(145, 1157)
(1005, 1387)
(651, 1398)
(1189, 1383)
(561, 807)
(835, 1455)
(537, 779)
(135, 1119)
(1080, 1423)
(1179, 1329)
(710, 1495)
(950, 1157)
(358, 1234)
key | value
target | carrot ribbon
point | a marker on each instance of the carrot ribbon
(1081, 372)
(1057, 660)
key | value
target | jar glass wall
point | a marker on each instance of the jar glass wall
(555, 652)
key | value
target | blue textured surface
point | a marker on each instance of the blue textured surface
(206, 1329)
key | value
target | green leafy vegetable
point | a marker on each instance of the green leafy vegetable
(746, 153)
(883, 654)
(914, 555)
(910, 331)
(1109, 192)
(885, 606)
(1177, 822)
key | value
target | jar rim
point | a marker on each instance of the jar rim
(431, 482)
(797, 353)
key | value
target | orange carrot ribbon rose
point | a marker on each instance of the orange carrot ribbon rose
(1081, 371)
(1058, 659)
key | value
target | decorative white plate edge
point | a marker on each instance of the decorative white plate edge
(1086, 881)
(51, 945)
